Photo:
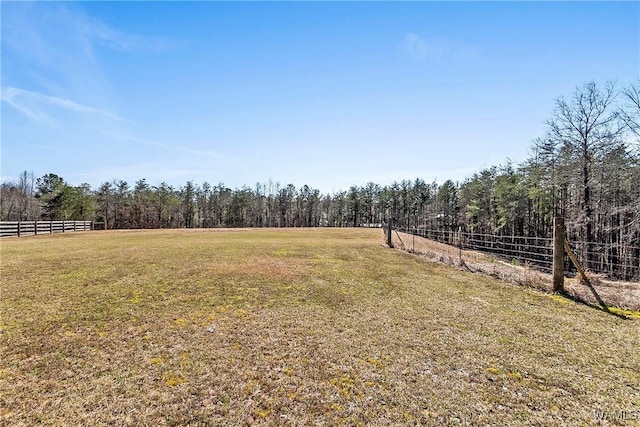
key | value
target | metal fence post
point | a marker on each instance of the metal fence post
(460, 242)
(558, 254)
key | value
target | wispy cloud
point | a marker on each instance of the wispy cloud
(34, 114)
(423, 49)
(176, 173)
(415, 47)
(35, 105)
(153, 172)
(128, 42)
(53, 49)
(179, 148)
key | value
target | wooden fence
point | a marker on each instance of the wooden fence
(32, 228)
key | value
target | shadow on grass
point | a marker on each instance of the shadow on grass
(600, 306)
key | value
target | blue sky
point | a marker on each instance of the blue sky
(329, 94)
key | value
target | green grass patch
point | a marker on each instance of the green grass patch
(292, 327)
(628, 313)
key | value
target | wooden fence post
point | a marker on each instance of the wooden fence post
(389, 235)
(584, 277)
(558, 254)
(575, 262)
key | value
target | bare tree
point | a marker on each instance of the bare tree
(586, 128)
(630, 110)
(28, 208)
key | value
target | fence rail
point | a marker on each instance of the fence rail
(621, 262)
(31, 228)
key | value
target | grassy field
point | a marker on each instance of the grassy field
(293, 327)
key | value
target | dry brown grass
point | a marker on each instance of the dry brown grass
(617, 294)
(293, 327)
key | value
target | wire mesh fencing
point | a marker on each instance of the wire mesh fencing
(614, 260)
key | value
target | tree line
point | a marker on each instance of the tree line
(585, 167)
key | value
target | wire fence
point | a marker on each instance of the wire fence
(614, 261)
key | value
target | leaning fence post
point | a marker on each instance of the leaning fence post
(558, 254)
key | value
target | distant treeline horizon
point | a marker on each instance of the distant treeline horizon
(586, 167)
